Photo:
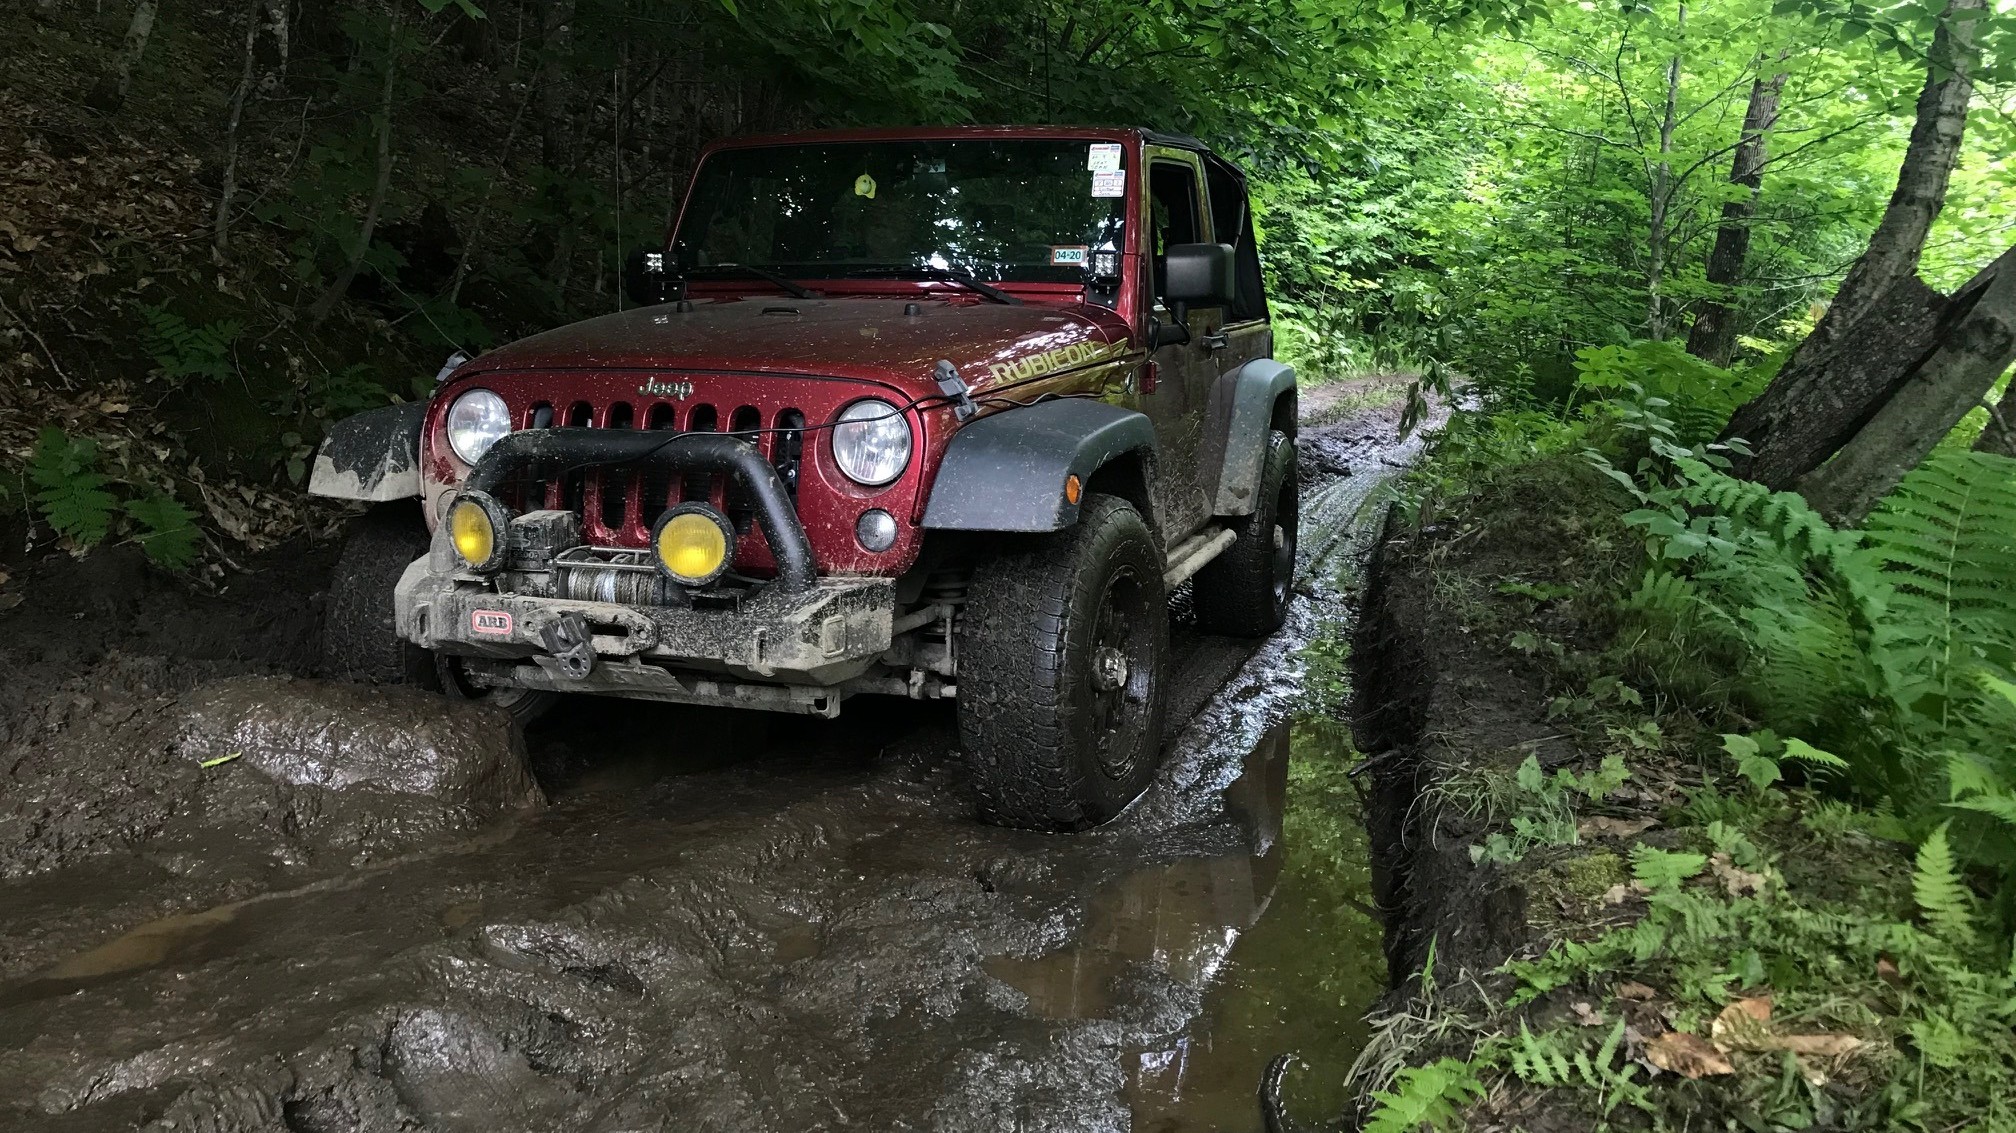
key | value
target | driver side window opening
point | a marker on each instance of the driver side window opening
(1173, 215)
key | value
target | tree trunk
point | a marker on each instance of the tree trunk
(1713, 335)
(1662, 200)
(340, 286)
(1975, 342)
(2000, 435)
(1882, 322)
(556, 43)
(238, 97)
(110, 92)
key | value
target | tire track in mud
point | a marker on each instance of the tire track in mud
(723, 922)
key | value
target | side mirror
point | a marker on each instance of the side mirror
(1199, 274)
(650, 277)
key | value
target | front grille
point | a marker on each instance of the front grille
(618, 505)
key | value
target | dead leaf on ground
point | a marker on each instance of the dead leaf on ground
(1689, 1056)
(1886, 970)
(1819, 1046)
(1586, 1015)
(1631, 989)
(1743, 1025)
(1736, 882)
(1604, 826)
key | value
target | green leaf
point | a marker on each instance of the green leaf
(167, 530)
(1935, 884)
(72, 496)
(1660, 870)
(1806, 753)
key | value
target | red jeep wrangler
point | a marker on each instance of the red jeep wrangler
(923, 412)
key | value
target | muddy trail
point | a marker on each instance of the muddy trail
(236, 900)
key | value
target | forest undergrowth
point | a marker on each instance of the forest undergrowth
(1766, 867)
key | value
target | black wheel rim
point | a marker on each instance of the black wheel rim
(1284, 545)
(1121, 675)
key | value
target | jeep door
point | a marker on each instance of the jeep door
(1178, 390)
(1245, 331)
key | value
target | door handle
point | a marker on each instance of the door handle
(1216, 340)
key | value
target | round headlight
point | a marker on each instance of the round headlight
(476, 527)
(871, 442)
(475, 422)
(692, 541)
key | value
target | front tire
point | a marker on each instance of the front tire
(359, 642)
(1244, 592)
(359, 639)
(1062, 648)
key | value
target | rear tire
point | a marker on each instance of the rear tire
(359, 642)
(1062, 648)
(1244, 592)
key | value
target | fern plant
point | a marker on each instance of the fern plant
(1431, 1097)
(76, 499)
(71, 490)
(183, 350)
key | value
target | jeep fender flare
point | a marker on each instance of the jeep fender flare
(1006, 471)
(1255, 389)
(373, 456)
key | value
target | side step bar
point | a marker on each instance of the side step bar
(1195, 553)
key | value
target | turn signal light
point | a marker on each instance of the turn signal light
(691, 542)
(476, 526)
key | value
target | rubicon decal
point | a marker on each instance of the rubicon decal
(1050, 361)
(496, 622)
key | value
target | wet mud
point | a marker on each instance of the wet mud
(232, 907)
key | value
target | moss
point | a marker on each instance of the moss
(1584, 877)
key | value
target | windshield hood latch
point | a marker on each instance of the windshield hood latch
(954, 387)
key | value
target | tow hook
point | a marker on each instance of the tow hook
(571, 643)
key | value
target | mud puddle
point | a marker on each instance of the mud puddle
(738, 922)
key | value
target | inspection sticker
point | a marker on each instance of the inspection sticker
(1109, 183)
(1103, 157)
(1070, 255)
(490, 621)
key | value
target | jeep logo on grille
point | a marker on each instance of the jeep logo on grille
(655, 388)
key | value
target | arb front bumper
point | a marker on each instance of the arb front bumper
(558, 614)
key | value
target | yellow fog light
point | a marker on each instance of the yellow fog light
(692, 542)
(476, 526)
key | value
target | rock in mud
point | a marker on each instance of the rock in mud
(352, 765)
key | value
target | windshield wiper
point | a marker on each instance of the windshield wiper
(946, 274)
(760, 273)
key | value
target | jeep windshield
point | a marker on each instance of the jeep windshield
(1010, 210)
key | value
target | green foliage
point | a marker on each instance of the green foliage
(1539, 807)
(1664, 870)
(167, 530)
(1429, 1096)
(71, 490)
(1935, 884)
(75, 499)
(183, 350)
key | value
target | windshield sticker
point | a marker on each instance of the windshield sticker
(864, 186)
(1103, 157)
(1109, 183)
(1070, 255)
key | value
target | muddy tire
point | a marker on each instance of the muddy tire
(1063, 646)
(1244, 592)
(358, 639)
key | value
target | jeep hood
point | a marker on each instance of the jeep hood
(868, 338)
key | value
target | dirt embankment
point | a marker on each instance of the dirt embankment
(1473, 626)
